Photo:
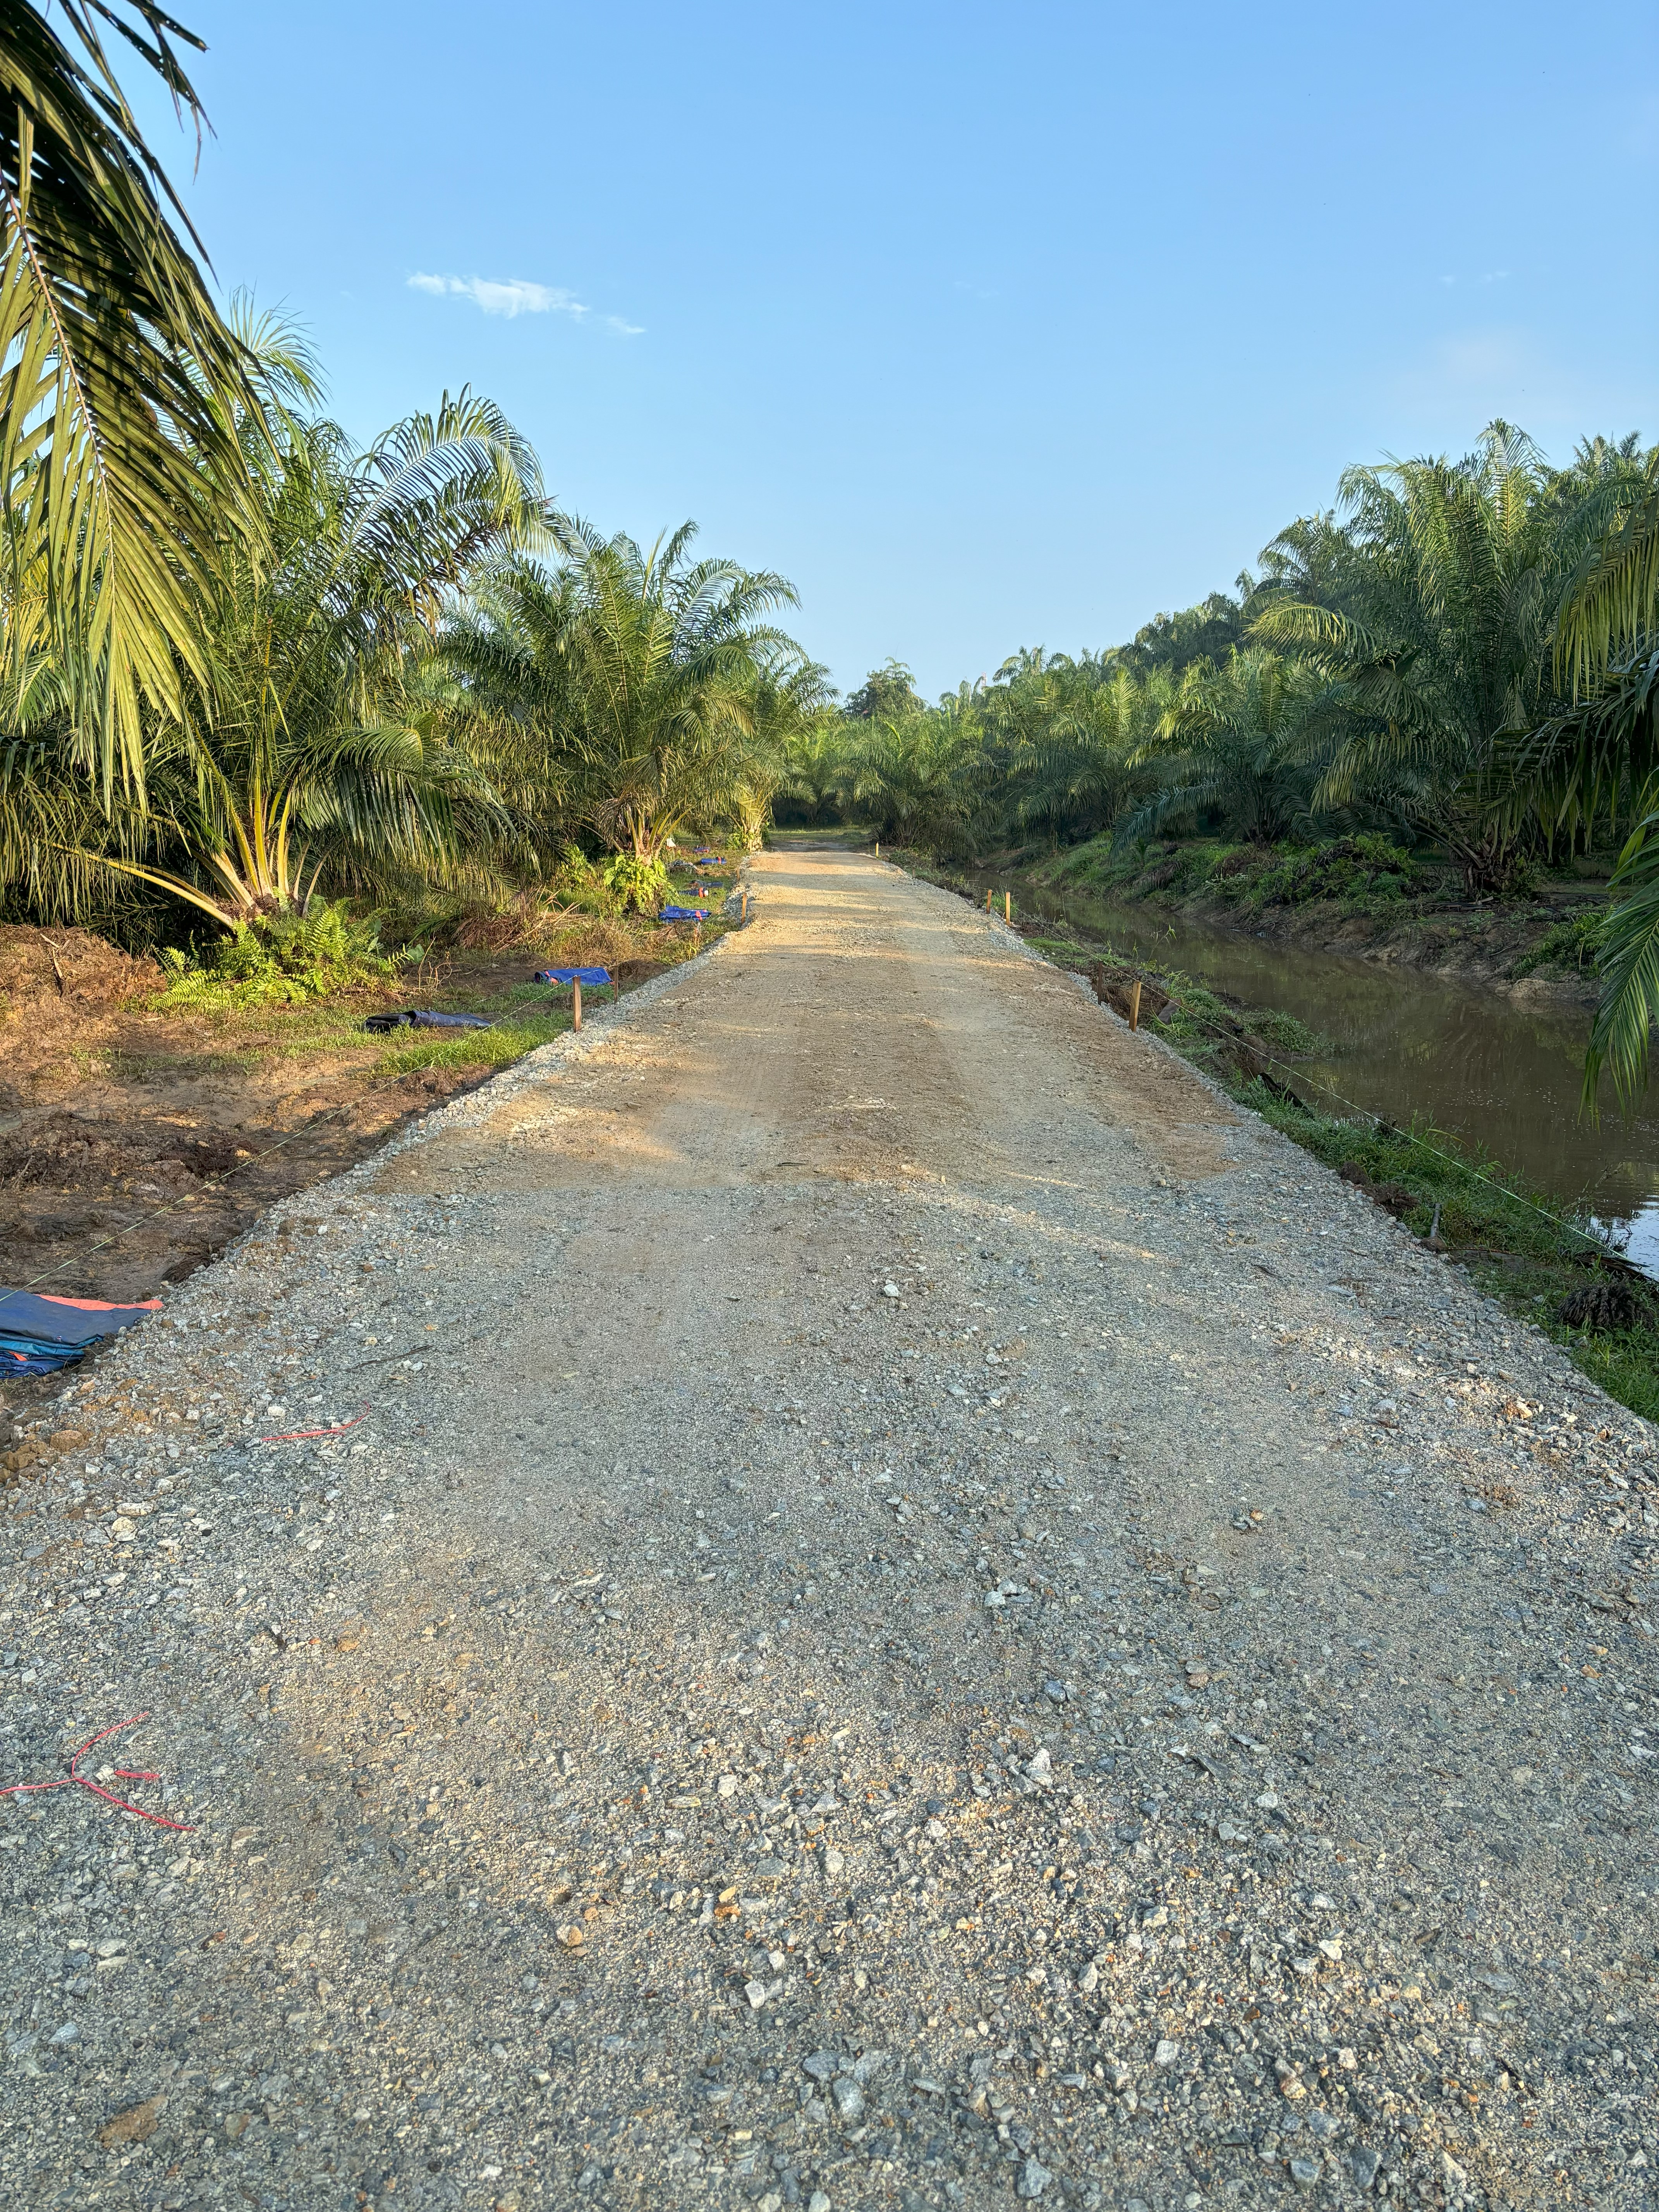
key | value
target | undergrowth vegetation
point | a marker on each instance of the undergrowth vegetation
(510, 1037)
(310, 952)
(1365, 874)
(1209, 1028)
(1575, 944)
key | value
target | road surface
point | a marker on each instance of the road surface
(914, 1610)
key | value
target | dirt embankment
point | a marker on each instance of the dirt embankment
(135, 1143)
(1474, 943)
(1518, 944)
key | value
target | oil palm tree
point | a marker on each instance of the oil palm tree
(624, 683)
(120, 383)
(326, 739)
(789, 705)
(818, 778)
(1069, 735)
(1604, 745)
(1620, 728)
(322, 742)
(1439, 633)
(922, 779)
(1611, 600)
(1236, 741)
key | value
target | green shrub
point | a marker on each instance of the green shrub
(492, 1047)
(1364, 874)
(579, 882)
(1573, 943)
(1208, 1031)
(1240, 862)
(639, 885)
(1084, 861)
(1181, 869)
(281, 959)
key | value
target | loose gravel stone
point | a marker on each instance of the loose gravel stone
(849, 1589)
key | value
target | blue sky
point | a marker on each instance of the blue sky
(988, 325)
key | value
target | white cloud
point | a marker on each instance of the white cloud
(509, 296)
(513, 296)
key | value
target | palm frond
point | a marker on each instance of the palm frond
(1614, 596)
(1628, 963)
(118, 380)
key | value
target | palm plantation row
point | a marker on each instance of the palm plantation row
(1461, 655)
(250, 664)
(415, 674)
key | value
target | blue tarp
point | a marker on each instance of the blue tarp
(684, 914)
(40, 1334)
(596, 978)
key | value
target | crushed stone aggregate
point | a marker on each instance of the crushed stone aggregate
(896, 1605)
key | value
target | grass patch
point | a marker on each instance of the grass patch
(522, 1010)
(1204, 1026)
(495, 1047)
(1064, 951)
(161, 1066)
(1622, 1363)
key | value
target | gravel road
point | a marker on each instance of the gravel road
(914, 1612)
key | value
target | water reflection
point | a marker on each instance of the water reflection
(1499, 1070)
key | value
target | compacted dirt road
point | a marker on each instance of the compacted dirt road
(895, 1605)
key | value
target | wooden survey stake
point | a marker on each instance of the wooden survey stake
(1134, 1004)
(575, 1002)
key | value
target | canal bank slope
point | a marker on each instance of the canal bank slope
(913, 1608)
(1359, 898)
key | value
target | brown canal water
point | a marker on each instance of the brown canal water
(1499, 1071)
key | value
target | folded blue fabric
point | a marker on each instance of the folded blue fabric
(598, 977)
(39, 1334)
(34, 1362)
(684, 914)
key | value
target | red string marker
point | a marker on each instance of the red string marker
(298, 1435)
(85, 1782)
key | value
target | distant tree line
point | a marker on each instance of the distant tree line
(249, 664)
(1462, 653)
